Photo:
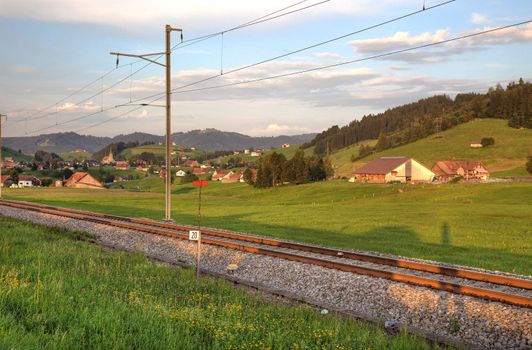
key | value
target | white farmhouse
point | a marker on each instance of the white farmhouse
(393, 169)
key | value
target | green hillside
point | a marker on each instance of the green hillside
(19, 157)
(158, 150)
(506, 158)
(70, 156)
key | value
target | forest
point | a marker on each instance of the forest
(413, 121)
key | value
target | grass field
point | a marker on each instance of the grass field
(158, 150)
(70, 156)
(59, 292)
(506, 158)
(483, 225)
(19, 157)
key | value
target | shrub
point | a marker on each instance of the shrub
(487, 141)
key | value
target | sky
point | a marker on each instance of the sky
(53, 50)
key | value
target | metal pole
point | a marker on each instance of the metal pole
(168, 216)
(198, 247)
(1, 160)
(168, 161)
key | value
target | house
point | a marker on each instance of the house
(393, 169)
(6, 181)
(9, 163)
(469, 169)
(246, 151)
(232, 178)
(28, 181)
(475, 145)
(200, 171)
(180, 173)
(58, 183)
(139, 168)
(122, 165)
(285, 145)
(220, 173)
(83, 180)
(256, 153)
(191, 163)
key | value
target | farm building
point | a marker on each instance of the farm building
(469, 169)
(28, 181)
(393, 169)
(6, 181)
(200, 171)
(83, 180)
(191, 163)
(122, 165)
(231, 178)
(9, 163)
(219, 174)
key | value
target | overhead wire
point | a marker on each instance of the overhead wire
(188, 42)
(179, 89)
(343, 36)
(386, 54)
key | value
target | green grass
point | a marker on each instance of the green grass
(482, 225)
(59, 292)
(341, 159)
(158, 150)
(18, 157)
(70, 156)
(508, 156)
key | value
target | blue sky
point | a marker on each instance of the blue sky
(52, 48)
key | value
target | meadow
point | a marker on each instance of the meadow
(58, 291)
(507, 157)
(482, 225)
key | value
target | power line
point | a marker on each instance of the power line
(386, 54)
(390, 53)
(178, 46)
(179, 89)
(303, 49)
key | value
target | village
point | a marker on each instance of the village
(77, 174)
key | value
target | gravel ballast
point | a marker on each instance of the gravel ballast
(440, 315)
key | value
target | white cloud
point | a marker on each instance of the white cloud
(478, 18)
(402, 40)
(326, 55)
(189, 14)
(276, 129)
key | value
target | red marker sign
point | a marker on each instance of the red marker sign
(200, 183)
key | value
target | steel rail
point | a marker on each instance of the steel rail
(366, 257)
(487, 294)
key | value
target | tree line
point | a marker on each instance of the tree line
(274, 169)
(413, 121)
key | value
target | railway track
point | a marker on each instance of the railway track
(483, 285)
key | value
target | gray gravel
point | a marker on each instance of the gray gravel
(459, 319)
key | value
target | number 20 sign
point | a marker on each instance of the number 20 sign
(193, 235)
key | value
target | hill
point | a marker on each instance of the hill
(17, 156)
(507, 157)
(76, 155)
(209, 139)
(413, 121)
(216, 140)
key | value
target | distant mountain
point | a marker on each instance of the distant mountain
(208, 139)
(58, 143)
(216, 140)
